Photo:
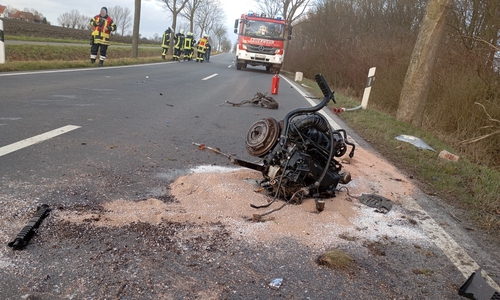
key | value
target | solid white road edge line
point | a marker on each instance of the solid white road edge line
(211, 76)
(456, 254)
(36, 139)
(465, 264)
(4, 74)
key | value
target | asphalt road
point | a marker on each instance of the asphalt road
(132, 133)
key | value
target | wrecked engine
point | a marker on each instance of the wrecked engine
(299, 152)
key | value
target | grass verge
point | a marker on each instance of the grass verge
(43, 57)
(471, 187)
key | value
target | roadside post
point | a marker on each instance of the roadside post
(368, 88)
(2, 44)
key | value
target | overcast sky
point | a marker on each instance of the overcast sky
(154, 18)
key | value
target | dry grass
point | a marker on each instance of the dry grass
(336, 259)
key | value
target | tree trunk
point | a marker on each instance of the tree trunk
(135, 34)
(423, 60)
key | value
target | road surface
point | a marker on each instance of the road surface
(78, 139)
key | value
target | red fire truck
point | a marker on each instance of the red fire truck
(260, 41)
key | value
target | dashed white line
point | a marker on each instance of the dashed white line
(36, 139)
(211, 76)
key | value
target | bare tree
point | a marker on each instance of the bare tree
(290, 9)
(83, 22)
(11, 10)
(189, 12)
(175, 7)
(64, 20)
(220, 32)
(74, 18)
(208, 14)
(270, 7)
(135, 32)
(122, 18)
(418, 77)
(226, 45)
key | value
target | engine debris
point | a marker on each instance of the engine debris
(262, 100)
(298, 153)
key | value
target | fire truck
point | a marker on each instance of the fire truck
(260, 41)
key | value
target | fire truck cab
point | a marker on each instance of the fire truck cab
(260, 41)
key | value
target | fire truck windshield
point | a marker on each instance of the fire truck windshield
(263, 29)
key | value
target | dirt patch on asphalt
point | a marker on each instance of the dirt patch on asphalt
(213, 194)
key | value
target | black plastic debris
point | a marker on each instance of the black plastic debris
(476, 288)
(28, 231)
(382, 204)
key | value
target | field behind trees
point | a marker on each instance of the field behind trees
(342, 39)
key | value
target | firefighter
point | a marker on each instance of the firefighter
(178, 45)
(208, 51)
(200, 50)
(165, 42)
(103, 26)
(188, 46)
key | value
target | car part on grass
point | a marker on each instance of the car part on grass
(299, 152)
(476, 288)
(262, 100)
(28, 231)
(340, 110)
(415, 141)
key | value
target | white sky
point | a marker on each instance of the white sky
(154, 18)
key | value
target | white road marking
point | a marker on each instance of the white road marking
(465, 264)
(456, 254)
(36, 139)
(211, 76)
(77, 70)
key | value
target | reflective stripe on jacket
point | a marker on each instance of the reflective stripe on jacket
(102, 29)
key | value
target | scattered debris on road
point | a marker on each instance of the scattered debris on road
(382, 204)
(477, 288)
(262, 100)
(276, 283)
(28, 231)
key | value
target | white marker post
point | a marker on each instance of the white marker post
(368, 88)
(2, 44)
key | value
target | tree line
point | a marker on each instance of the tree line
(121, 15)
(342, 39)
(199, 17)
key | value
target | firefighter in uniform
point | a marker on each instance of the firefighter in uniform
(200, 49)
(165, 42)
(188, 46)
(208, 51)
(103, 25)
(178, 44)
